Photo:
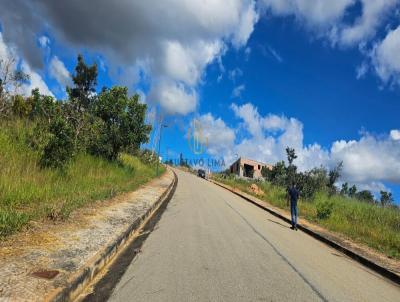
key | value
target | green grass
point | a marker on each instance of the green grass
(28, 192)
(377, 227)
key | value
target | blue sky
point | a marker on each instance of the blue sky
(320, 76)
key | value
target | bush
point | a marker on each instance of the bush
(60, 147)
(324, 209)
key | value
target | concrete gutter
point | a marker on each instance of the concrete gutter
(371, 264)
(81, 279)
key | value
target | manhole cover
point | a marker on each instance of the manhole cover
(45, 274)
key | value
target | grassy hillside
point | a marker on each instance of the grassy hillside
(372, 225)
(28, 192)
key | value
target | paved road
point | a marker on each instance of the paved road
(211, 245)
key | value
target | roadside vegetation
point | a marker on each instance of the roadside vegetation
(355, 214)
(56, 156)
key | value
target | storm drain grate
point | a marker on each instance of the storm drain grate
(46, 274)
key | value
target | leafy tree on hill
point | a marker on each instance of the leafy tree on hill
(334, 175)
(122, 123)
(345, 189)
(82, 95)
(43, 107)
(277, 175)
(352, 191)
(291, 169)
(365, 196)
(386, 198)
(312, 181)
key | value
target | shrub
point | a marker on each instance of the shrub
(60, 148)
(324, 209)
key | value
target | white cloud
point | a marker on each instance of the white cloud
(248, 18)
(218, 136)
(369, 159)
(59, 72)
(385, 57)
(174, 98)
(35, 81)
(338, 22)
(237, 91)
(373, 12)
(176, 39)
(395, 134)
(314, 12)
(326, 17)
(367, 162)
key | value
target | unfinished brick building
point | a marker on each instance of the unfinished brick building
(245, 167)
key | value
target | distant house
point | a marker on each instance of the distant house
(245, 167)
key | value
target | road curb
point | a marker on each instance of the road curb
(78, 282)
(355, 256)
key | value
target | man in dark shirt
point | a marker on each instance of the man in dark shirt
(293, 196)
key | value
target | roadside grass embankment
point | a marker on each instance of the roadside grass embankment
(369, 224)
(28, 192)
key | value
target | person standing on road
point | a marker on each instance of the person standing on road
(293, 196)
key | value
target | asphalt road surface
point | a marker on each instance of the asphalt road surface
(211, 245)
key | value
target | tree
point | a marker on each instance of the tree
(122, 123)
(345, 189)
(42, 106)
(85, 81)
(334, 175)
(277, 175)
(365, 196)
(352, 191)
(11, 79)
(291, 155)
(291, 169)
(312, 181)
(20, 106)
(386, 198)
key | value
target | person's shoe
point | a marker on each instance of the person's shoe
(296, 228)
(292, 228)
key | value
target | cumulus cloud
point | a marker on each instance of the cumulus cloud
(367, 162)
(175, 39)
(215, 133)
(369, 158)
(174, 97)
(339, 23)
(59, 72)
(366, 25)
(385, 57)
(327, 17)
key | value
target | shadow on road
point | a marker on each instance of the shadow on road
(282, 225)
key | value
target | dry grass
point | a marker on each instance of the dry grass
(28, 192)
